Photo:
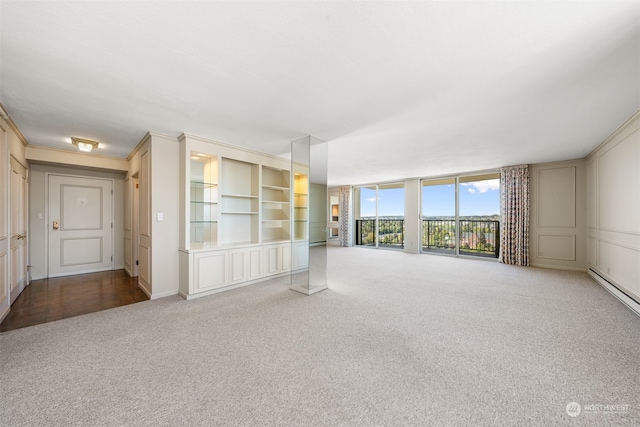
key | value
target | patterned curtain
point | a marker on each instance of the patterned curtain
(346, 216)
(514, 215)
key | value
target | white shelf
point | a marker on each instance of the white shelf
(275, 187)
(240, 196)
(239, 213)
(276, 202)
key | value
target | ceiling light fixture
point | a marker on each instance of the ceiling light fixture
(85, 145)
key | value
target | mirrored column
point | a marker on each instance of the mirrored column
(309, 213)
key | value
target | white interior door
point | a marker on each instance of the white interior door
(4, 226)
(80, 225)
(18, 245)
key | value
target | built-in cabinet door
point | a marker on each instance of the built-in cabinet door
(255, 263)
(238, 269)
(286, 257)
(210, 270)
(277, 258)
(18, 240)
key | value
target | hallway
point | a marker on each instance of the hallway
(47, 300)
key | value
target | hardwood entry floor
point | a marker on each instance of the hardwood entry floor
(47, 300)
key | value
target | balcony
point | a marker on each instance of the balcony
(390, 232)
(477, 237)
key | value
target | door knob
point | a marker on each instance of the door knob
(56, 225)
(21, 236)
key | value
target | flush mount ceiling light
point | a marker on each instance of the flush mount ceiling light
(85, 145)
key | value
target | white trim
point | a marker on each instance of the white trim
(227, 288)
(627, 123)
(163, 294)
(559, 267)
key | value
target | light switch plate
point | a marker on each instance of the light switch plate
(160, 216)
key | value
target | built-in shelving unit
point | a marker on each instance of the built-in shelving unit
(276, 204)
(239, 202)
(238, 216)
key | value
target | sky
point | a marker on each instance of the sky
(476, 198)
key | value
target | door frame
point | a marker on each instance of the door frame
(25, 218)
(46, 215)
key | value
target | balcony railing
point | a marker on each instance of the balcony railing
(477, 237)
(390, 232)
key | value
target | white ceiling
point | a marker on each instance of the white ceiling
(399, 89)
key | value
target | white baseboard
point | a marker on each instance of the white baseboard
(559, 267)
(626, 300)
(164, 294)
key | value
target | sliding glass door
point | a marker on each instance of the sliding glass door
(479, 219)
(461, 216)
(439, 216)
(366, 233)
(391, 215)
(380, 215)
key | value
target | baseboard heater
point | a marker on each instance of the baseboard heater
(616, 292)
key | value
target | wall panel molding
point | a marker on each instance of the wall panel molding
(557, 197)
(558, 247)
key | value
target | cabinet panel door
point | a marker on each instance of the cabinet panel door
(286, 257)
(272, 259)
(255, 263)
(210, 270)
(239, 264)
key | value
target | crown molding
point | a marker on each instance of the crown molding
(12, 125)
(615, 133)
(62, 150)
(147, 136)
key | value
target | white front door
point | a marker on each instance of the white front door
(80, 225)
(18, 251)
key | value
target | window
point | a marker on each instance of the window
(380, 216)
(439, 215)
(461, 216)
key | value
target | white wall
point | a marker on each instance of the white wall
(165, 200)
(38, 204)
(558, 215)
(613, 201)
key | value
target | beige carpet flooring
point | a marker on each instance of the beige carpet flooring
(398, 339)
